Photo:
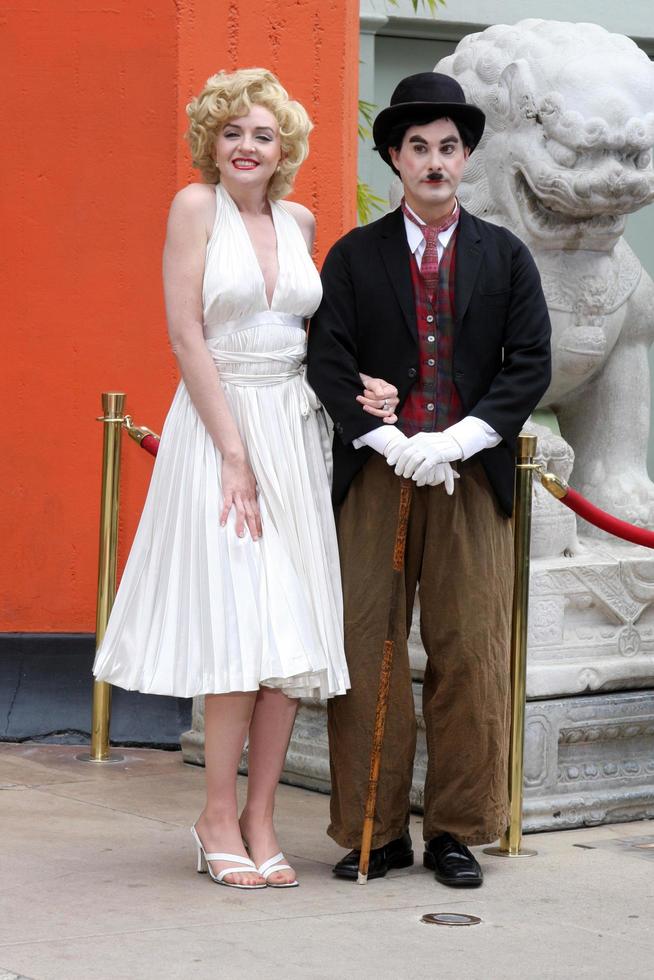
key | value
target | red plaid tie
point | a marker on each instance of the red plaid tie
(429, 264)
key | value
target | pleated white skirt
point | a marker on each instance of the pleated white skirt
(200, 610)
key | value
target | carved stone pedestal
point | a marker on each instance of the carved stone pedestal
(588, 760)
(591, 621)
(192, 742)
(589, 734)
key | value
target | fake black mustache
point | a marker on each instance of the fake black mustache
(434, 177)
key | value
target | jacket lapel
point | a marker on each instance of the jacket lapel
(396, 257)
(468, 262)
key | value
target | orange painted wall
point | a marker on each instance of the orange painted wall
(93, 100)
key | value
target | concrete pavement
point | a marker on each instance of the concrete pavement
(98, 883)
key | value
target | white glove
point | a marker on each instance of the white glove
(421, 453)
(432, 473)
(440, 473)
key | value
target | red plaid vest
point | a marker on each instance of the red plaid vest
(433, 403)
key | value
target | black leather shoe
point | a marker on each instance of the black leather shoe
(396, 854)
(452, 862)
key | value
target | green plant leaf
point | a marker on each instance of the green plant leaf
(367, 202)
(366, 113)
(429, 5)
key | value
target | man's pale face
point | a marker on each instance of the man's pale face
(430, 162)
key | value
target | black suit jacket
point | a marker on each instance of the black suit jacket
(367, 322)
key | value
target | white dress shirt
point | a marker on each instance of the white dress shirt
(472, 434)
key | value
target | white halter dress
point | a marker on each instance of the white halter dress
(200, 610)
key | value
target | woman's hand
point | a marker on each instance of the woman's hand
(379, 398)
(240, 492)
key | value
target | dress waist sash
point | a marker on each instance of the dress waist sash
(289, 358)
(257, 380)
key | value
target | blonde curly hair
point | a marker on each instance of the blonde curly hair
(230, 95)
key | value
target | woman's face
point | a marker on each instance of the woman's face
(248, 149)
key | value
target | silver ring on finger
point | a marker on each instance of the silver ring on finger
(385, 404)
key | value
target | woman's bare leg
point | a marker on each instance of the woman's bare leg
(226, 721)
(270, 733)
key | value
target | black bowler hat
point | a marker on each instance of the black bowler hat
(426, 96)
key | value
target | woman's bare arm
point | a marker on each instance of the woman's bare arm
(305, 220)
(189, 222)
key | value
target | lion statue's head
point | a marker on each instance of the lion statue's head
(567, 151)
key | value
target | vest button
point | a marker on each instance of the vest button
(430, 319)
(412, 373)
(430, 407)
(431, 362)
(431, 338)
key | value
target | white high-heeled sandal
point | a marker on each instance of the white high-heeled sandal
(271, 867)
(204, 865)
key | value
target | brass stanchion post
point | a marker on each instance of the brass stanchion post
(113, 406)
(510, 843)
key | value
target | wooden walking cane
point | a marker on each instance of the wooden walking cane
(384, 679)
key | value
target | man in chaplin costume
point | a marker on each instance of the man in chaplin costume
(450, 310)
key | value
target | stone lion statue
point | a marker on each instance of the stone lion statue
(566, 156)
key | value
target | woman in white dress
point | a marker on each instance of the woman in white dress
(232, 587)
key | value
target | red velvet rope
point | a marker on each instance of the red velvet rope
(589, 512)
(150, 444)
(608, 523)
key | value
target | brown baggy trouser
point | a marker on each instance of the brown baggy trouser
(459, 553)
